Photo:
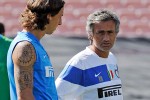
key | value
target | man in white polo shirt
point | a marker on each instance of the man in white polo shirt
(93, 73)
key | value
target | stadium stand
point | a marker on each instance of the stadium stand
(134, 15)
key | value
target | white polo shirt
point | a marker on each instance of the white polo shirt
(89, 77)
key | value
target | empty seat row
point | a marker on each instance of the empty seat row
(134, 15)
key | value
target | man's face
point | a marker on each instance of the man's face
(104, 35)
(54, 22)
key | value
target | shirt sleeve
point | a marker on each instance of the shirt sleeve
(70, 83)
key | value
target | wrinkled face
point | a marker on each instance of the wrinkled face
(104, 35)
(54, 22)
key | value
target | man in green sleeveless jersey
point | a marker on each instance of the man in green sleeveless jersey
(4, 45)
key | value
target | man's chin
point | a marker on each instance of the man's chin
(104, 49)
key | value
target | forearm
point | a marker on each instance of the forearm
(26, 96)
(24, 84)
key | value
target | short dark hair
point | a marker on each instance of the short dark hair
(2, 28)
(35, 14)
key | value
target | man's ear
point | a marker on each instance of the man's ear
(90, 36)
(49, 16)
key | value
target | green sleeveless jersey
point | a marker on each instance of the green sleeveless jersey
(4, 82)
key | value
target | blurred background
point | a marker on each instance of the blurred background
(132, 47)
(134, 16)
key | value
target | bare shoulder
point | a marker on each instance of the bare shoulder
(24, 54)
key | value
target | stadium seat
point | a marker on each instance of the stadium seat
(134, 15)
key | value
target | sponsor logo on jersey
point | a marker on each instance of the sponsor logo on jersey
(100, 78)
(113, 72)
(100, 74)
(114, 90)
(49, 71)
(105, 73)
(44, 56)
(96, 75)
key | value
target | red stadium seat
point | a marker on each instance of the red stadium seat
(134, 15)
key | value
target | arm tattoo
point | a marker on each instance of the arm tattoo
(24, 57)
(25, 79)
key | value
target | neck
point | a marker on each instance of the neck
(100, 53)
(37, 33)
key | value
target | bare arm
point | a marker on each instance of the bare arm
(24, 58)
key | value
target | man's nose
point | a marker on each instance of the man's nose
(106, 37)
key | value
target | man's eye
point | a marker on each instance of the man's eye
(100, 32)
(110, 32)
